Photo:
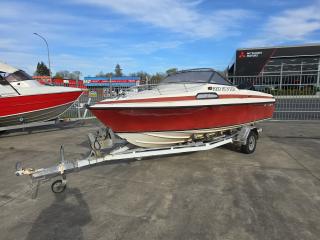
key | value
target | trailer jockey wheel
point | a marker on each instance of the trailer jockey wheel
(58, 186)
(251, 143)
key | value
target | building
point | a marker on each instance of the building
(93, 86)
(113, 82)
(60, 81)
(303, 59)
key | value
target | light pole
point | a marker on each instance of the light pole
(47, 51)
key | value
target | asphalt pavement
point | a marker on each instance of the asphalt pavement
(273, 193)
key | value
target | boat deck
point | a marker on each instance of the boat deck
(273, 193)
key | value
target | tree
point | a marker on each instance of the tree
(75, 75)
(156, 78)
(144, 77)
(100, 74)
(171, 71)
(118, 71)
(58, 75)
(65, 74)
(109, 74)
(42, 70)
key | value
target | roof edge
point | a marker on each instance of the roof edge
(283, 46)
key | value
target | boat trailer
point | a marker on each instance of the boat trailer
(106, 147)
(28, 125)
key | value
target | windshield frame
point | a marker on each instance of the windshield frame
(210, 78)
(18, 76)
(228, 83)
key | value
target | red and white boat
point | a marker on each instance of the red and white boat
(188, 105)
(23, 100)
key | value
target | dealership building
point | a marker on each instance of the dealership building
(303, 59)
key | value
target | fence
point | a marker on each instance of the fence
(297, 95)
(90, 96)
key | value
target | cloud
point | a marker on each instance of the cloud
(153, 46)
(178, 16)
(292, 25)
(21, 60)
(106, 63)
(65, 32)
(70, 47)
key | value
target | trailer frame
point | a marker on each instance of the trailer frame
(106, 147)
(29, 125)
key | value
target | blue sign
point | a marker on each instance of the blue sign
(115, 81)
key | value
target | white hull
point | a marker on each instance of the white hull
(169, 138)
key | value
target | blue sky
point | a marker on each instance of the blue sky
(151, 35)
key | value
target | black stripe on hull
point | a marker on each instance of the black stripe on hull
(35, 116)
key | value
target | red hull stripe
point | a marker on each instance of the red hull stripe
(28, 103)
(182, 98)
(179, 119)
(221, 128)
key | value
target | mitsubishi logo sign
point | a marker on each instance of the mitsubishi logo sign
(244, 54)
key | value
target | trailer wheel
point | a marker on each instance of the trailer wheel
(251, 143)
(58, 186)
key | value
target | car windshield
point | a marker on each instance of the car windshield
(196, 77)
(18, 76)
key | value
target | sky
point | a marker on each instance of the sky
(150, 35)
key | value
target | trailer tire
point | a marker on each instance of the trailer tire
(58, 187)
(251, 143)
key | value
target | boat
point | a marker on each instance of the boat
(24, 100)
(185, 106)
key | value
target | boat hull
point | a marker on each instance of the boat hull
(153, 127)
(169, 138)
(33, 108)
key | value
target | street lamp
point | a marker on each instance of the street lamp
(47, 51)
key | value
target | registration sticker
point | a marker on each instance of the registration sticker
(224, 89)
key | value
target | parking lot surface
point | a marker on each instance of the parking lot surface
(273, 193)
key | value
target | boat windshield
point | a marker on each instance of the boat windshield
(18, 76)
(189, 77)
(196, 77)
(3, 81)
